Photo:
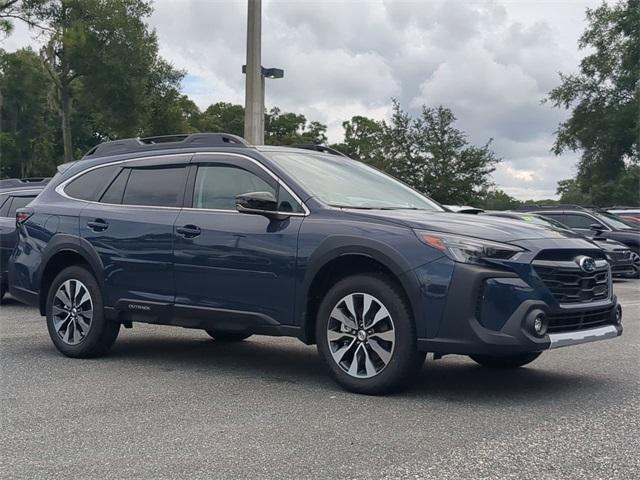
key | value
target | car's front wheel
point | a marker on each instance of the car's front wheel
(75, 317)
(635, 258)
(366, 335)
(506, 361)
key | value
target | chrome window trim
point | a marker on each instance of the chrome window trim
(60, 188)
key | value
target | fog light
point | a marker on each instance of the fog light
(536, 322)
(618, 315)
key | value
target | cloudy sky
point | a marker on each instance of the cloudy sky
(492, 62)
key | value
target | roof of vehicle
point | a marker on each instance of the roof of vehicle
(22, 184)
(549, 207)
(165, 142)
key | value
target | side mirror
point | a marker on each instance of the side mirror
(596, 227)
(259, 203)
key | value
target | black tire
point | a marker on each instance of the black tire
(3, 291)
(404, 360)
(102, 332)
(507, 361)
(222, 336)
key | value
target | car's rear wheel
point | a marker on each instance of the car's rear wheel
(506, 361)
(75, 316)
(366, 335)
(223, 336)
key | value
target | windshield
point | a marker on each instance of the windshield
(342, 182)
(615, 222)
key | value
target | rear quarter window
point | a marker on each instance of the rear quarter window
(90, 185)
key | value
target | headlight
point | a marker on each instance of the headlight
(468, 249)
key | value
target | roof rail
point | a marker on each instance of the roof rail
(552, 206)
(24, 182)
(134, 145)
(318, 148)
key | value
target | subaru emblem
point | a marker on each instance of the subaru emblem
(586, 264)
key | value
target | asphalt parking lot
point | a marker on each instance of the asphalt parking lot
(172, 403)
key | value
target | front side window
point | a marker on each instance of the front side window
(217, 186)
(579, 221)
(342, 182)
(157, 187)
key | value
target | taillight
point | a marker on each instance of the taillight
(22, 216)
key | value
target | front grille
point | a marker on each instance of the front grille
(568, 283)
(570, 321)
(620, 255)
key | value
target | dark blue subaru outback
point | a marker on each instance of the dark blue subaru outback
(204, 231)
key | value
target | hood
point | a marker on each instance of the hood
(498, 229)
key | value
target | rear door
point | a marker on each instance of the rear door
(240, 266)
(130, 226)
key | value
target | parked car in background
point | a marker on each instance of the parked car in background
(619, 255)
(15, 193)
(205, 231)
(593, 224)
(629, 214)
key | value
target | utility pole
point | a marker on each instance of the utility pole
(254, 89)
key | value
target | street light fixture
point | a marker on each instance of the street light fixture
(272, 73)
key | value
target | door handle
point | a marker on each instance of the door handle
(98, 225)
(189, 231)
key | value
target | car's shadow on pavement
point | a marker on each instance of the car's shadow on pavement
(291, 363)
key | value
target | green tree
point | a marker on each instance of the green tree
(430, 154)
(363, 140)
(29, 130)
(605, 100)
(497, 200)
(102, 48)
(286, 128)
(222, 117)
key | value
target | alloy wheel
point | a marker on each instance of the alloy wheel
(361, 335)
(635, 258)
(72, 312)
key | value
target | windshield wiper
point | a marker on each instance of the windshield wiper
(350, 206)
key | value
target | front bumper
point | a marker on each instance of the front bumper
(578, 337)
(489, 311)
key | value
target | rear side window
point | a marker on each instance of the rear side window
(91, 184)
(115, 191)
(19, 202)
(158, 187)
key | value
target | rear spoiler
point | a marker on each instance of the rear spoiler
(63, 167)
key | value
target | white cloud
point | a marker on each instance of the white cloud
(492, 62)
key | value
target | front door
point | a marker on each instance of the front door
(230, 265)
